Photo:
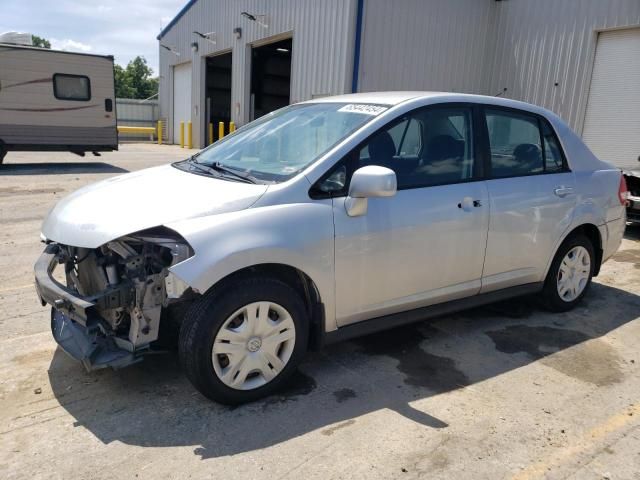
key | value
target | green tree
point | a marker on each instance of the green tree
(123, 88)
(40, 42)
(136, 80)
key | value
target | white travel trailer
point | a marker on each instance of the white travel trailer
(55, 100)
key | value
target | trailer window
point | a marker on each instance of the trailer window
(71, 87)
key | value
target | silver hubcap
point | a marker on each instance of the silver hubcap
(573, 275)
(253, 345)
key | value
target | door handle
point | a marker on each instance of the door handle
(563, 191)
(468, 202)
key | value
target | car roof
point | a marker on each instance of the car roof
(385, 98)
(396, 98)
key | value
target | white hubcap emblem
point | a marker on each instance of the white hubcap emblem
(254, 344)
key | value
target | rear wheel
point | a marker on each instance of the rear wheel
(243, 341)
(570, 274)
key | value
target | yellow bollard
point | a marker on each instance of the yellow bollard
(189, 137)
(181, 134)
(210, 133)
(232, 127)
(159, 132)
(220, 130)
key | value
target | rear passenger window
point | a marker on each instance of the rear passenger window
(71, 87)
(514, 141)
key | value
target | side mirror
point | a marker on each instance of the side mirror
(369, 182)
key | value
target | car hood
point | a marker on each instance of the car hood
(125, 204)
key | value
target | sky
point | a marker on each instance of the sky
(122, 28)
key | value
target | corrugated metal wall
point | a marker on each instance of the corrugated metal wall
(136, 113)
(425, 45)
(541, 51)
(541, 43)
(322, 62)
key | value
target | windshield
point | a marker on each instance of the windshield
(279, 145)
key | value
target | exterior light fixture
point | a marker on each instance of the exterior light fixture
(238, 32)
(171, 49)
(209, 37)
(194, 47)
(259, 19)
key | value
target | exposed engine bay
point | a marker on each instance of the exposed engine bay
(126, 283)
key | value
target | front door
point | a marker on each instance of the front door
(426, 244)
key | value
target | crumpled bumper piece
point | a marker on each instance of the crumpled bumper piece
(88, 345)
(51, 292)
(76, 307)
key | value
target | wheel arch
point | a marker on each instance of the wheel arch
(592, 232)
(299, 281)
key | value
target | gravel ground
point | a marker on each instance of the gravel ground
(506, 391)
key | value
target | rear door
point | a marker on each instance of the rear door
(531, 195)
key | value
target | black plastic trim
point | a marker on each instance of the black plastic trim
(386, 322)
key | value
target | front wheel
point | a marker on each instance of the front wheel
(570, 274)
(241, 342)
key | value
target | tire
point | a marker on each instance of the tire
(170, 323)
(552, 298)
(221, 317)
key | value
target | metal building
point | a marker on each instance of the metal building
(224, 60)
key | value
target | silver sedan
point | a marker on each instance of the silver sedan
(322, 221)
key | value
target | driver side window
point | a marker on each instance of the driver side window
(432, 146)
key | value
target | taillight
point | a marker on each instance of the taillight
(623, 192)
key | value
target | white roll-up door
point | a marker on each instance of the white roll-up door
(612, 121)
(181, 98)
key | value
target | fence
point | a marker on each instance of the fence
(136, 113)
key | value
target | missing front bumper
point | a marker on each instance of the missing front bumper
(75, 324)
(88, 344)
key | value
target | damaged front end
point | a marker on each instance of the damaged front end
(633, 199)
(108, 302)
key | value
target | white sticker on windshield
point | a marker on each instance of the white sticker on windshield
(363, 108)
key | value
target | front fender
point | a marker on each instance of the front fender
(299, 235)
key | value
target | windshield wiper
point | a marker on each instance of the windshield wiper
(217, 169)
(202, 168)
(244, 176)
